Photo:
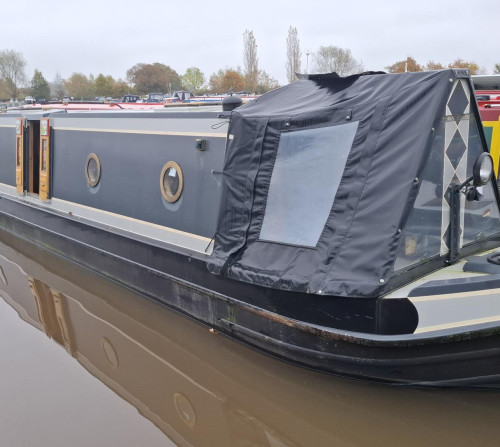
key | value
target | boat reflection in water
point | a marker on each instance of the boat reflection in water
(201, 388)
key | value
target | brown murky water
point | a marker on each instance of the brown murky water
(84, 362)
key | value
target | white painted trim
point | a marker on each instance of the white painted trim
(455, 324)
(144, 132)
(450, 296)
(456, 310)
(94, 216)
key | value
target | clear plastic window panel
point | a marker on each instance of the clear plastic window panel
(427, 231)
(421, 238)
(481, 219)
(306, 175)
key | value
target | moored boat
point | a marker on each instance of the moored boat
(344, 224)
(487, 89)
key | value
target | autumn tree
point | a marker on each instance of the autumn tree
(266, 83)
(292, 54)
(471, 66)
(193, 80)
(431, 66)
(79, 86)
(157, 77)
(39, 86)
(226, 80)
(12, 72)
(334, 59)
(251, 62)
(215, 82)
(409, 64)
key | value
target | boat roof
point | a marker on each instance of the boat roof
(118, 109)
(486, 82)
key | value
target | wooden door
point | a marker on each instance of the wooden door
(44, 159)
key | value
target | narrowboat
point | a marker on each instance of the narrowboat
(345, 224)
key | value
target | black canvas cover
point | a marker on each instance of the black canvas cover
(281, 149)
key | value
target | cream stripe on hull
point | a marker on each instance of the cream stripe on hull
(451, 310)
(451, 296)
(144, 132)
(457, 310)
(464, 323)
(171, 237)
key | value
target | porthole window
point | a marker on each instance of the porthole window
(171, 181)
(93, 170)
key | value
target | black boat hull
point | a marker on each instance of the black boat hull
(254, 315)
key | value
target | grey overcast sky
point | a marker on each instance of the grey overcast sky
(110, 36)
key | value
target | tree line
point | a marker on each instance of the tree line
(411, 65)
(145, 78)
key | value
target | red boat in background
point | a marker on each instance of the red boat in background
(86, 105)
(132, 102)
(488, 99)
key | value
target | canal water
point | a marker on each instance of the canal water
(85, 362)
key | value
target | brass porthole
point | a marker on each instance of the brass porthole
(93, 170)
(171, 181)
